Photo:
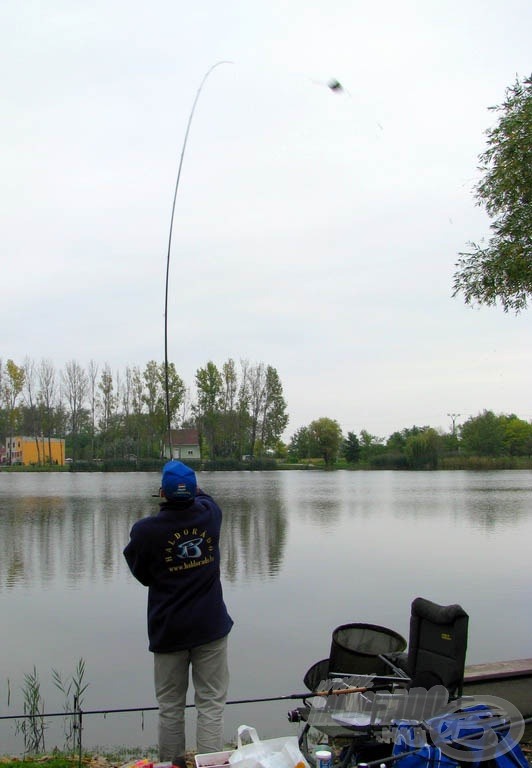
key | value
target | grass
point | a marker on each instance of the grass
(120, 757)
(96, 760)
(49, 762)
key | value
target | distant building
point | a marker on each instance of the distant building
(184, 444)
(35, 450)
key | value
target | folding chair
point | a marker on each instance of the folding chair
(437, 646)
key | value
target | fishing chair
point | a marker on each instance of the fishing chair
(436, 647)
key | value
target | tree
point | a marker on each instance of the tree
(75, 387)
(351, 448)
(231, 438)
(93, 401)
(108, 401)
(422, 449)
(274, 415)
(397, 440)
(517, 436)
(176, 390)
(210, 390)
(31, 403)
(12, 386)
(370, 446)
(483, 435)
(502, 270)
(47, 398)
(154, 399)
(301, 444)
(256, 379)
(327, 435)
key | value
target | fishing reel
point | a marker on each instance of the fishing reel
(298, 715)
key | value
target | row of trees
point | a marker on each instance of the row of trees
(237, 411)
(485, 435)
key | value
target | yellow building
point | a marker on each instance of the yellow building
(35, 450)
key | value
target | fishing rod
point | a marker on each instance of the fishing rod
(285, 697)
(180, 167)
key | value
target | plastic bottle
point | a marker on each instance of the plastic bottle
(323, 758)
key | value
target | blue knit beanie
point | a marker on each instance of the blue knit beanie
(178, 481)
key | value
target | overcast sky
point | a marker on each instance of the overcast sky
(316, 230)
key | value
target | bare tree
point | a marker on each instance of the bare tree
(108, 402)
(185, 413)
(93, 401)
(75, 387)
(47, 397)
(31, 398)
(257, 393)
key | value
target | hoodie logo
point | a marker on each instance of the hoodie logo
(189, 548)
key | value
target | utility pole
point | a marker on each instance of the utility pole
(453, 417)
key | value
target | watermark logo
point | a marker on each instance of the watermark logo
(483, 729)
(467, 729)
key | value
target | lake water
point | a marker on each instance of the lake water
(303, 552)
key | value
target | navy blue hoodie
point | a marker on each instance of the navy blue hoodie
(176, 555)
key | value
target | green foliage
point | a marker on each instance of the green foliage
(517, 436)
(491, 435)
(326, 435)
(11, 386)
(481, 438)
(502, 270)
(423, 449)
(301, 445)
(351, 448)
(483, 435)
(274, 417)
(390, 460)
(371, 447)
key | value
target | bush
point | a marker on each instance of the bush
(389, 461)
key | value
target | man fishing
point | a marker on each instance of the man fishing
(176, 555)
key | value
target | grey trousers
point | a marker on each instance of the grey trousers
(210, 677)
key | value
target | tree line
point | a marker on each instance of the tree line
(238, 410)
(485, 436)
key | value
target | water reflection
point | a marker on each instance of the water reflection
(68, 537)
(79, 537)
(75, 528)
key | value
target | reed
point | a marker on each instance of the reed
(33, 726)
(73, 691)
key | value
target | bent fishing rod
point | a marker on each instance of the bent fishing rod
(180, 167)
